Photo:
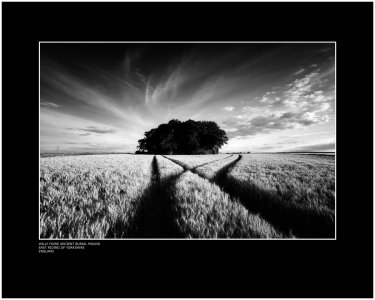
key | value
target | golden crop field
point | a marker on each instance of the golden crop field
(187, 196)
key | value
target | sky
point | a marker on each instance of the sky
(268, 97)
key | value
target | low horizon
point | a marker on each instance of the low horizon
(268, 97)
(145, 153)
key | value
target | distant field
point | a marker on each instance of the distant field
(195, 161)
(181, 196)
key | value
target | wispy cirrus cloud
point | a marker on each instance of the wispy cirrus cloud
(49, 104)
(299, 71)
(93, 129)
(118, 95)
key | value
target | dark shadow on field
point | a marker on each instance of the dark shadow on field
(186, 168)
(222, 173)
(286, 216)
(177, 162)
(154, 217)
(194, 170)
(210, 162)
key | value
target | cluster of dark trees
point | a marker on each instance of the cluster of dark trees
(189, 137)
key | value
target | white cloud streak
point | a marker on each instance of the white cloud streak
(49, 104)
(228, 108)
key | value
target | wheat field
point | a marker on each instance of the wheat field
(253, 196)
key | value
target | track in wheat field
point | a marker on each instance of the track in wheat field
(201, 196)
(154, 217)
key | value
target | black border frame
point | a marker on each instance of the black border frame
(341, 268)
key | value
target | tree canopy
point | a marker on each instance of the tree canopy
(189, 137)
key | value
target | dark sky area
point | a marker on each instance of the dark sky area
(267, 96)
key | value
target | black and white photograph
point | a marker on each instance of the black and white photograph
(190, 149)
(187, 140)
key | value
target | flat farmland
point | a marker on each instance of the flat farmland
(294, 192)
(187, 196)
(92, 196)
